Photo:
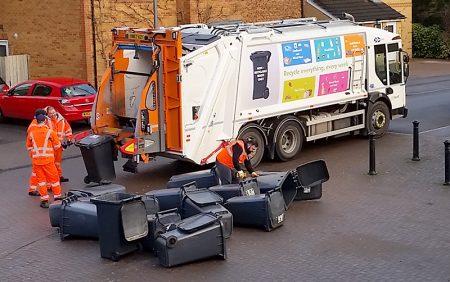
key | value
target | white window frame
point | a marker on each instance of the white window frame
(5, 43)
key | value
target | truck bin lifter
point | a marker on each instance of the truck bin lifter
(173, 91)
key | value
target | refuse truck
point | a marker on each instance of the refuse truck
(181, 92)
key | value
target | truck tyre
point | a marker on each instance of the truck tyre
(378, 119)
(254, 136)
(289, 140)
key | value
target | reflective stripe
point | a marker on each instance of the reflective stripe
(55, 184)
(41, 183)
(57, 196)
(33, 187)
(57, 163)
(33, 174)
(44, 197)
(37, 150)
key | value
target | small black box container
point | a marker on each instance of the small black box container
(284, 181)
(122, 220)
(227, 191)
(75, 216)
(160, 223)
(98, 152)
(193, 199)
(310, 177)
(167, 198)
(203, 178)
(224, 215)
(264, 210)
(195, 238)
(97, 190)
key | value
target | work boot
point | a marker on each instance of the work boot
(44, 204)
(34, 193)
(63, 179)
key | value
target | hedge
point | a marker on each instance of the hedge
(430, 42)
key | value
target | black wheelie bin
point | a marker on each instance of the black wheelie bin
(98, 152)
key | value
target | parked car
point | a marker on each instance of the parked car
(73, 98)
(3, 86)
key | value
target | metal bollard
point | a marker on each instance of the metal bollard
(415, 141)
(447, 162)
(372, 170)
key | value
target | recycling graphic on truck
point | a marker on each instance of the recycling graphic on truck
(180, 92)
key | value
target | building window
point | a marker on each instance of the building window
(3, 48)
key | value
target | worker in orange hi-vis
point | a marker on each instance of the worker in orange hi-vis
(32, 188)
(41, 144)
(62, 128)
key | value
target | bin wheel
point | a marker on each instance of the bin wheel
(266, 93)
(86, 179)
(115, 257)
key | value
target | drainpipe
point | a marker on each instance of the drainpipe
(94, 43)
(155, 14)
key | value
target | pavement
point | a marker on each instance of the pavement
(393, 226)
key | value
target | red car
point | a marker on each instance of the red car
(73, 98)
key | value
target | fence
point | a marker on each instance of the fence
(14, 69)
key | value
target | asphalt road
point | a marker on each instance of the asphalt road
(428, 101)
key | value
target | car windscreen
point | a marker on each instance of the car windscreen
(78, 90)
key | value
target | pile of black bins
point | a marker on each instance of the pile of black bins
(191, 220)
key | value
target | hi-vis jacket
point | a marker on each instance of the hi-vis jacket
(61, 127)
(41, 143)
(225, 156)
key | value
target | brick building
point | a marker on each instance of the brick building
(58, 35)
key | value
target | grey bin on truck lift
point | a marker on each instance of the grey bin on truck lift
(197, 237)
(264, 210)
(167, 198)
(122, 220)
(204, 179)
(194, 198)
(75, 216)
(97, 152)
(311, 176)
(160, 223)
(285, 181)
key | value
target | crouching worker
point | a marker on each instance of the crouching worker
(41, 144)
(230, 159)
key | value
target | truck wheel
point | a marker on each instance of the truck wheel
(289, 140)
(86, 179)
(378, 119)
(255, 137)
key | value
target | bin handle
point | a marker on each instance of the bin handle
(174, 210)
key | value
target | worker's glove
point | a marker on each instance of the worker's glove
(240, 174)
(254, 174)
(66, 144)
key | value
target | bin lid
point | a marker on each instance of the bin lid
(134, 220)
(198, 222)
(203, 197)
(93, 140)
